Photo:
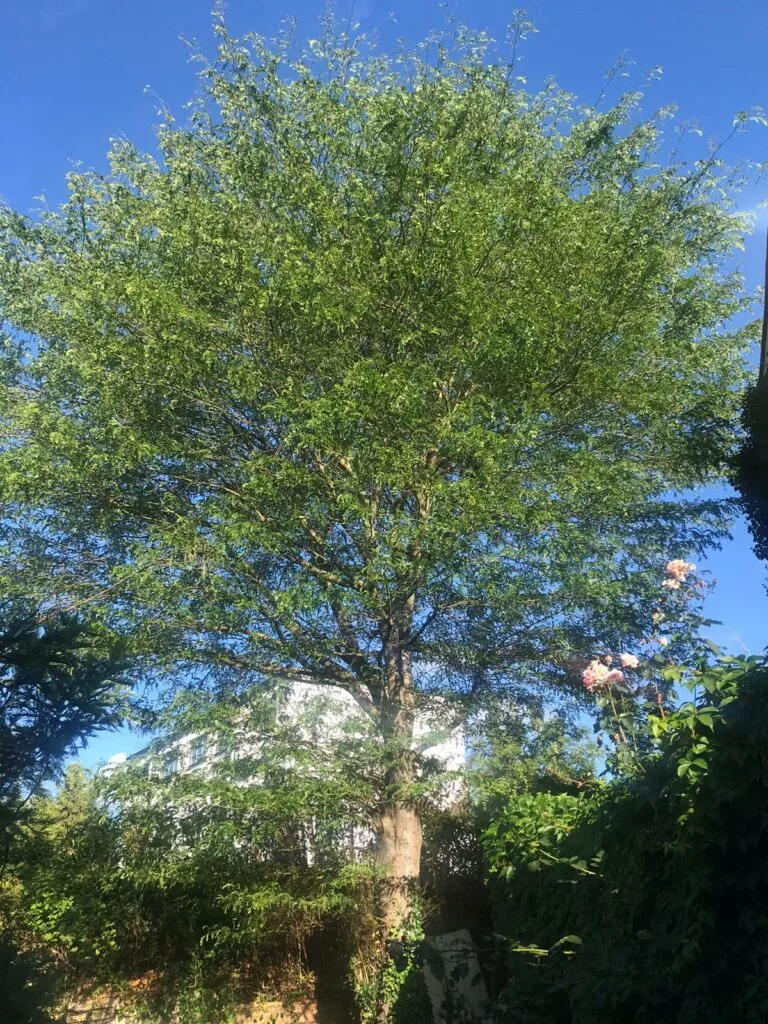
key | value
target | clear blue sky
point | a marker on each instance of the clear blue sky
(73, 72)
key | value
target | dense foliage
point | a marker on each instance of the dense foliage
(252, 874)
(383, 372)
(646, 898)
(639, 898)
(59, 683)
(197, 891)
(750, 474)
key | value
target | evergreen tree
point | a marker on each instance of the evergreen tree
(58, 685)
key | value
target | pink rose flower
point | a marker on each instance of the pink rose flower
(629, 661)
(594, 674)
(597, 674)
(679, 569)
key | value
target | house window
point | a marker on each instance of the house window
(172, 765)
(198, 751)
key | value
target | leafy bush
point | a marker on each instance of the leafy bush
(202, 886)
(646, 898)
(60, 681)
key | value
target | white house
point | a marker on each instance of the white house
(311, 707)
(435, 740)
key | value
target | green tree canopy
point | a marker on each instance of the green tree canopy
(58, 684)
(382, 372)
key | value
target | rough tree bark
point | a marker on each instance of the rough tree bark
(398, 853)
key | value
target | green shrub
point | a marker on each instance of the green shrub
(647, 898)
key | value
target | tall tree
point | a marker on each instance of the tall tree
(384, 373)
(59, 682)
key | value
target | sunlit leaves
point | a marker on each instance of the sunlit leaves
(375, 340)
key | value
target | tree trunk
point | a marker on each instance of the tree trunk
(398, 853)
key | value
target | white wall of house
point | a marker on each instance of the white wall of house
(335, 709)
(323, 714)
